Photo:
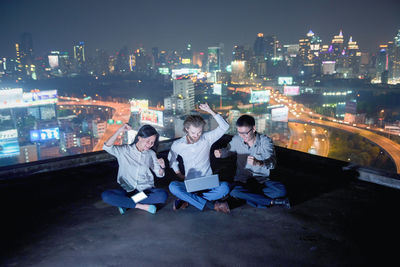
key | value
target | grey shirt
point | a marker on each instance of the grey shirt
(134, 166)
(262, 149)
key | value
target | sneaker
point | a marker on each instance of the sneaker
(121, 210)
(152, 209)
(180, 204)
(222, 207)
(282, 202)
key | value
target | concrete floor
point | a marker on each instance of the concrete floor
(58, 219)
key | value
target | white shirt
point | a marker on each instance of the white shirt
(196, 157)
(134, 166)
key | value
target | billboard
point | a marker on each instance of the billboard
(138, 105)
(291, 90)
(280, 114)
(151, 116)
(53, 61)
(45, 134)
(163, 71)
(217, 89)
(259, 96)
(40, 98)
(285, 80)
(9, 146)
(11, 98)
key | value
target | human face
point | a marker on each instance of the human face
(194, 133)
(145, 143)
(246, 133)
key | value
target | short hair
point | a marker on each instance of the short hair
(195, 120)
(146, 131)
(245, 120)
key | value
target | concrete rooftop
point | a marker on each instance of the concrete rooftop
(57, 218)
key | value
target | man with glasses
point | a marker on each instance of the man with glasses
(255, 157)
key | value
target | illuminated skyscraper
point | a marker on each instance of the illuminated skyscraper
(353, 57)
(214, 59)
(339, 50)
(259, 47)
(25, 57)
(382, 62)
(187, 55)
(79, 53)
(396, 59)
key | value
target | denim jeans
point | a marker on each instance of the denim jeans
(198, 200)
(258, 195)
(121, 198)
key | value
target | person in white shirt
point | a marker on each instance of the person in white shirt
(194, 148)
(134, 175)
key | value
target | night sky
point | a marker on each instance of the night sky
(170, 24)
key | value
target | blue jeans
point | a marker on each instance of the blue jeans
(120, 198)
(260, 197)
(198, 200)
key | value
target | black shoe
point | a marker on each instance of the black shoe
(179, 204)
(281, 202)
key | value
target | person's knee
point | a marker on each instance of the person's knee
(106, 196)
(173, 187)
(224, 188)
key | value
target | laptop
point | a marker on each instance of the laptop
(201, 183)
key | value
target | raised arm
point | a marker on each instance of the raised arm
(122, 129)
(223, 126)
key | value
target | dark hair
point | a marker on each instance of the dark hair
(246, 120)
(195, 120)
(146, 131)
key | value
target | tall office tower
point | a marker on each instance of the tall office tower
(305, 58)
(271, 46)
(122, 64)
(259, 47)
(239, 71)
(20, 69)
(239, 53)
(182, 100)
(187, 55)
(101, 62)
(79, 55)
(163, 58)
(25, 57)
(339, 50)
(142, 61)
(155, 56)
(396, 59)
(198, 59)
(382, 62)
(353, 59)
(214, 59)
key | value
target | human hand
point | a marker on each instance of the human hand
(125, 127)
(205, 107)
(161, 162)
(217, 153)
(251, 160)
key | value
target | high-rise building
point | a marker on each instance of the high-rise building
(259, 47)
(79, 55)
(353, 57)
(239, 71)
(214, 59)
(338, 49)
(382, 62)
(182, 100)
(396, 59)
(122, 64)
(187, 55)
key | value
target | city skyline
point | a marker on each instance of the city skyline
(58, 25)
